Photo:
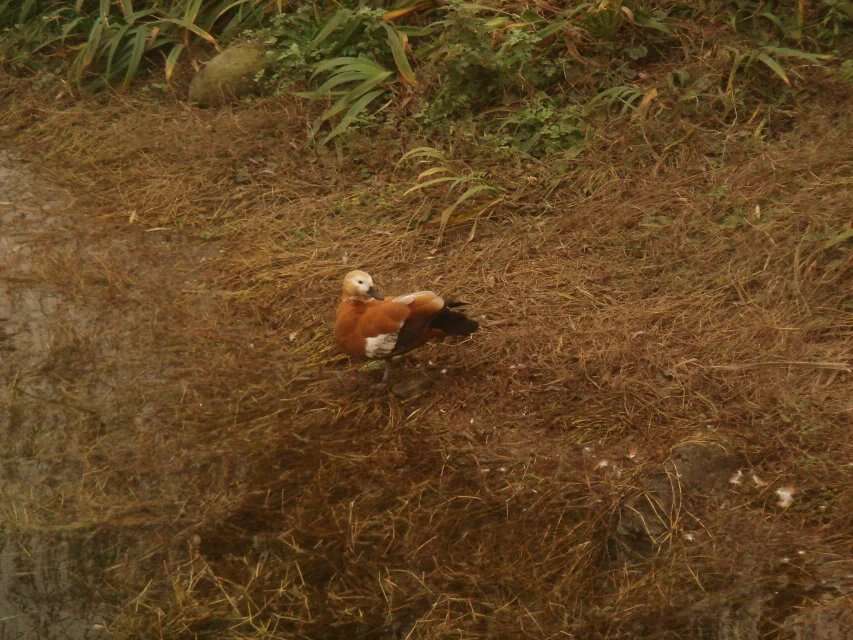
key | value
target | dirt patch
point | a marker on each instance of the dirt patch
(82, 383)
(665, 348)
(43, 591)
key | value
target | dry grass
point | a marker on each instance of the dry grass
(678, 314)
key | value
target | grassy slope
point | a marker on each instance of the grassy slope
(642, 297)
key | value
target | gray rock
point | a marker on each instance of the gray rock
(228, 76)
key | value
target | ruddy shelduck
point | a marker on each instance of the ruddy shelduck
(368, 326)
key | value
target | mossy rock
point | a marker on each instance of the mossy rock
(228, 76)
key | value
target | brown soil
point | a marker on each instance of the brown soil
(666, 343)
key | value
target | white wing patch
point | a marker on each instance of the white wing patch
(380, 346)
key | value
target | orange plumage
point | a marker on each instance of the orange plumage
(369, 326)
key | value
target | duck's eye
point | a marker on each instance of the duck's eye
(361, 282)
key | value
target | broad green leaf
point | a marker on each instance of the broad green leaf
(365, 65)
(459, 218)
(774, 66)
(422, 152)
(69, 27)
(431, 183)
(357, 107)
(495, 24)
(93, 43)
(339, 17)
(347, 31)
(201, 33)
(431, 172)
(137, 50)
(227, 7)
(172, 60)
(650, 22)
(191, 12)
(398, 50)
(49, 42)
(351, 97)
(115, 41)
(332, 63)
(785, 52)
(470, 193)
(336, 80)
(738, 59)
(133, 17)
(553, 28)
(354, 72)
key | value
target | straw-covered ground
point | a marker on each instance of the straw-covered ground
(649, 437)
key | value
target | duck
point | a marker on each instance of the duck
(369, 326)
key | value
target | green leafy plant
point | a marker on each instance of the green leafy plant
(111, 39)
(461, 188)
(835, 21)
(824, 21)
(528, 76)
(354, 83)
(625, 97)
(486, 55)
(542, 127)
(352, 53)
(770, 57)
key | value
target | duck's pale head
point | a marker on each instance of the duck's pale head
(359, 284)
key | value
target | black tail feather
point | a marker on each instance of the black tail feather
(453, 323)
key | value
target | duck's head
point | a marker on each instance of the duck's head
(359, 284)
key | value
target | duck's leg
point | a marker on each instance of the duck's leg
(387, 373)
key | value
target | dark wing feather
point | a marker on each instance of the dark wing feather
(418, 329)
(411, 335)
(453, 323)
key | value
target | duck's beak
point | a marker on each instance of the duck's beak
(373, 292)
